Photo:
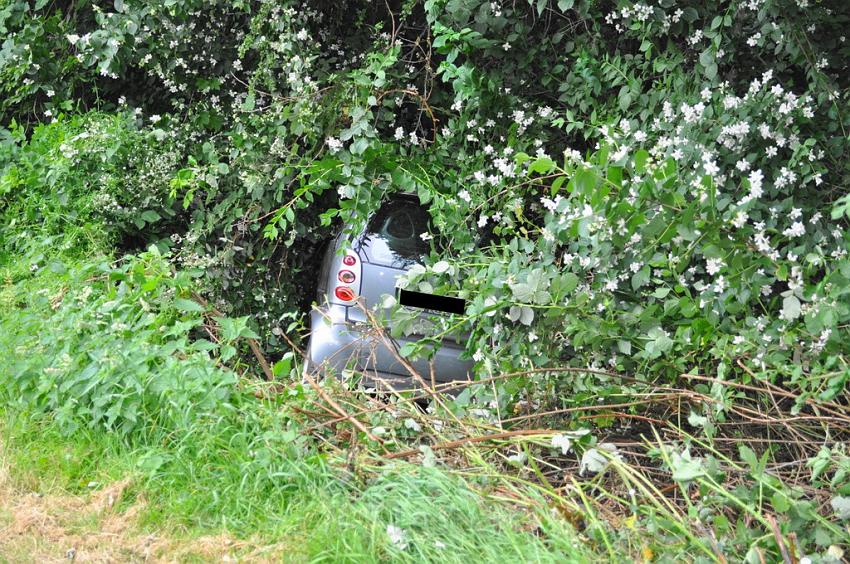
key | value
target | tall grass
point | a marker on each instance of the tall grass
(321, 513)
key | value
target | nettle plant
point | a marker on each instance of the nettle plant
(67, 181)
(124, 348)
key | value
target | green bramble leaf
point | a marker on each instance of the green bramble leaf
(189, 306)
(791, 307)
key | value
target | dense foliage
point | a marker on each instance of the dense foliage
(654, 189)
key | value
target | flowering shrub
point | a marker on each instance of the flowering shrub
(667, 245)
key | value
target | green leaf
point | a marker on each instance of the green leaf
(841, 507)
(661, 293)
(569, 282)
(542, 165)
(595, 460)
(523, 314)
(408, 349)
(686, 468)
(696, 420)
(541, 5)
(585, 182)
(204, 345)
(150, 216)
(565, 5)
(749, 457)
(556, 185)
(625, 98)
(187, 305)
(615, 176)
(56, 266)
(283, 366)
(441, 266)
(233, 328)
(780, 502)
(227, 352)
(640, 278)
(640, 161)
(359, 146)
(150, 462)
(658, 344)
(791, 307)
(842, 207)
(822, 537)
(522, 292)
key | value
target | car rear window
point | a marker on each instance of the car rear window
(394, 234)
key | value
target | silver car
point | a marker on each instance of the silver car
(342, 339)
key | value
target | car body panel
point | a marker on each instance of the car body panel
(337, 346)
(341, 336)
(379, 281)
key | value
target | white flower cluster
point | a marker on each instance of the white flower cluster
(638, 12)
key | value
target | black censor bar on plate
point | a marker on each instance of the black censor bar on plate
(430, 301)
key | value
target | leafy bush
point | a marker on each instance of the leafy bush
(65, 181)
(250, 159)
(112, 347)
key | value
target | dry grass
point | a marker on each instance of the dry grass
(61, 527)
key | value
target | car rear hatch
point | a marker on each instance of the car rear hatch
(391, 244)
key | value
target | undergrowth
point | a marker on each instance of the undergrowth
(211, 455)
(305, 505)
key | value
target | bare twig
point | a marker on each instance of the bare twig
(472, 440)
(324, 395)
(777, 534)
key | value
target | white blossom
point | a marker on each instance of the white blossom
(334, 144)
(797, 229)
(397, 536)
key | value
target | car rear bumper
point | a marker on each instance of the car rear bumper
(337, 345)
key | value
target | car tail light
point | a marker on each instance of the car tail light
(346, 276)
(345, 293)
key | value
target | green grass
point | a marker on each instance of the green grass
(321, 513)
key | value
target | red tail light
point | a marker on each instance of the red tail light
(346, 276)
(349, 260)
(345, 293)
